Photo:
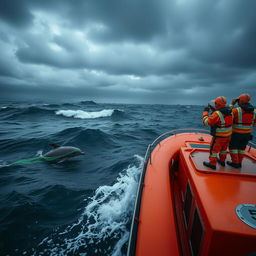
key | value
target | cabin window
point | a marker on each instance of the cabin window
(196, 234)
(187, 204)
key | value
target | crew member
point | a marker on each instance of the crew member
(220, 122)
(244, 120)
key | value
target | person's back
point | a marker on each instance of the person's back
(220, 122)
(243, 122)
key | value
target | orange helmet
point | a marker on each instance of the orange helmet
(244, 98)
(220, 101)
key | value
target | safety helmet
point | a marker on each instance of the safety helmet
(244, 98)
(220, 101)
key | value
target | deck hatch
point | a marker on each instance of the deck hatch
(196, 234)
(247, 214)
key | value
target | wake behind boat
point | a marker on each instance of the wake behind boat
(185, 208)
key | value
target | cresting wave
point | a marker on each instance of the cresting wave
(105, 220)
(86, 115)
(51, 109)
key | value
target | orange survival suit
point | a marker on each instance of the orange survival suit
(220, 121)
(244, 120)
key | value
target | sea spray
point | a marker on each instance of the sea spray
(84, 114)
(104, 221)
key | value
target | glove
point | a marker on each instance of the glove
(206, 108)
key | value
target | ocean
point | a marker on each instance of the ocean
(82, 206)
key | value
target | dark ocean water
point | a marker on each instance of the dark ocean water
(84, 205)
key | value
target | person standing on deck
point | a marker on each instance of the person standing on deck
(220, 121)
(244, 120)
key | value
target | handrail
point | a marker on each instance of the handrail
(174, 132)
(251, 145)
(190, 129)
(136, 212)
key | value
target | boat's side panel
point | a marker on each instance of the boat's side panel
(157, 233)
(216, 194)
(183, 183)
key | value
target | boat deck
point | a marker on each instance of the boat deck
(248, 165)
(222, 190)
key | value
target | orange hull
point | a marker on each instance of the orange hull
(164, 221)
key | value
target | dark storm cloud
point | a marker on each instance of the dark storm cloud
(147, 48)
(133, 20)
(15, 12)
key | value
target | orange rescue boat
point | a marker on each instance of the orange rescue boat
(185, 208)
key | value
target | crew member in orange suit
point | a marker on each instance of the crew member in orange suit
(220, 121)
(244, 120)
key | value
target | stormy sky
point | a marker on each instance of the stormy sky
(130, 51)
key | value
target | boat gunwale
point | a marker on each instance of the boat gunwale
(137, 205)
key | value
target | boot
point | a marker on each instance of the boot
(222, 163)
(209, 165)
(235, 165)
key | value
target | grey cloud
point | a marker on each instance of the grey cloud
(114, 49)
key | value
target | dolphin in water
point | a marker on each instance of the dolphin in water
(61, 153)
(57, 155)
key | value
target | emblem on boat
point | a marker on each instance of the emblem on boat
(247, 214)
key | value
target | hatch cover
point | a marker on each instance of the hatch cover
(247, 214)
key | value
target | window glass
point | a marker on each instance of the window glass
(194, 145)
(196, 234)
(187, 204)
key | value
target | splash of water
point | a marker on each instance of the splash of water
(85, 115)
(103, 227)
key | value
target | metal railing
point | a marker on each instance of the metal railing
(251, 145)
(167, 134)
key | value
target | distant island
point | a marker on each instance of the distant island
(88, 102)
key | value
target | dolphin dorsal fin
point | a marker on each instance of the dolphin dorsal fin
(54, 145)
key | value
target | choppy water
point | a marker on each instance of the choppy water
(84, 205)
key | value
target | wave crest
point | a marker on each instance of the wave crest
(106, 217)
(84, 114)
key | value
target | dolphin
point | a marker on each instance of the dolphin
(61, 153)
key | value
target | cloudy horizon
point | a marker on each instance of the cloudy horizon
(120, 51)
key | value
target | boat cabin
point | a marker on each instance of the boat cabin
(214, 208)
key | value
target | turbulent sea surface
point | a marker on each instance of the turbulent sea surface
(82, 206)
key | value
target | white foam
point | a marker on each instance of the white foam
(105, 217)
(3, 107)
(39, 152)
(118, 247)
(85, 115)
(4, 163)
